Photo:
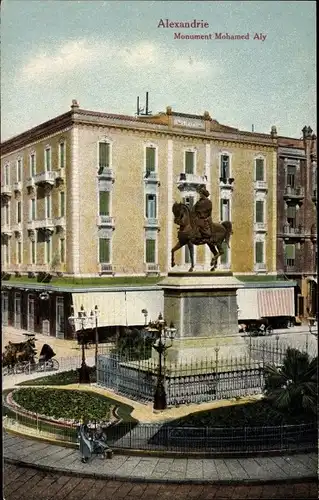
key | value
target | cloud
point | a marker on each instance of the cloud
(83, 54)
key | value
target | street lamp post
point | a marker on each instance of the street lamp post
(81, 321)
(165, 334)
(95, 316)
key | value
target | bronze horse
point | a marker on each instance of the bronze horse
(190, 235)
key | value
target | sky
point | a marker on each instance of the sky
(106, 53)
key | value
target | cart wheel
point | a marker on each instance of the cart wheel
(55, 364)
(84, 460)
(20, 368)
(269, 330)
(29, 368)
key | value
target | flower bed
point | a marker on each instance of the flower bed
(64, 378)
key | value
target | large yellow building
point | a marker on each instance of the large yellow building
(89, 193)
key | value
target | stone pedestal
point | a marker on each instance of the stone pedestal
(203, 308)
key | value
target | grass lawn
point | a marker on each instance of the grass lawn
(64, 378)
(256, 414)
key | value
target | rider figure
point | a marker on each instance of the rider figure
(203, 211)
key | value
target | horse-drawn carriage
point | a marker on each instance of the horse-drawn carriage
(20, 357)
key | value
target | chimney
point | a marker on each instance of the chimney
(75, 104)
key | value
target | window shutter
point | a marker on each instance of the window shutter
(104, 154)
(291, 170)
(150, 251)
(224, 257)
(48, 160)
(19, 211)
(62, 156)
(259, 249)
(259, 169)
(62, 204)
(259, 211)
(290, 252)
(104, 202)
(62, 246)
(104, 247)
(146, 206)
(291, 212)
(150, 159)
(189, 162)
(187, 255)
(221, 209)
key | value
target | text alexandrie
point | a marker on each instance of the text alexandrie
(195, 23)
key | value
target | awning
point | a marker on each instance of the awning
(247, 304)
(276, 302)
(121, 308)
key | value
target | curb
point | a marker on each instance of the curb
(138, 479)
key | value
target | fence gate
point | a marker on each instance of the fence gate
(4, 308)
(30, 313)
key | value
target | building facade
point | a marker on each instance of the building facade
(297, 217)
(91, 194)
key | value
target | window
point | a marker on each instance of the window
(32, 165)
(189, 162)
(224, 210)
(62, 204)
(259, 252)
(7, 247)
(104, 155)
(47, 159)
(104, 250)
(62, 154)
(187, 255)
(259, 169)
(33, 209)
(48, 251)
(291, 176)
(48, 206)
(33, 252)
(224, 259)
(224, 166)
(104, 202)
(150, 206)
(19, 252)
(19, 217)
(7, 175)
(150, 251)
(6, 214)
(62, 250)
(19, 170)
(259, 211)
(150, 159)
(60, 318)
(291, 215)
(290, 255)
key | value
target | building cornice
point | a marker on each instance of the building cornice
(135, 124)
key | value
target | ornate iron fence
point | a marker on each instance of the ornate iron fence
(196, 382)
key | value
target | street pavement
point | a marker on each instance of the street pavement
(296, 467)
(22, 483)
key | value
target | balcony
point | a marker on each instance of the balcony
(105, 221)
(59, 221)
(293, 232)
(106, 269)
(313, 233)
(46, 224)
(30, 182)
(260, 266)
(6, 230)
(290, 269)
(294, 193)
(60, 174)
(17, 187)
(190, 180)
(6, 191)
(314, 196)
(226, 182)
(45, 178)
(17, 228)
(260, 227)
(151, 178)
(151, 268)
(151, 223)
(261, 186)
(106, 174)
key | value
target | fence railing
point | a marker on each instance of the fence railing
(164, 437)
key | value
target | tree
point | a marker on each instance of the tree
(292, 387)
(135, 344)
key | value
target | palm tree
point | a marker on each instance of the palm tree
(293, 386)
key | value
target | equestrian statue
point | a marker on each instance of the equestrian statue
(197, 228)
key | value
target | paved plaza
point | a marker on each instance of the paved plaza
(22, 483)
